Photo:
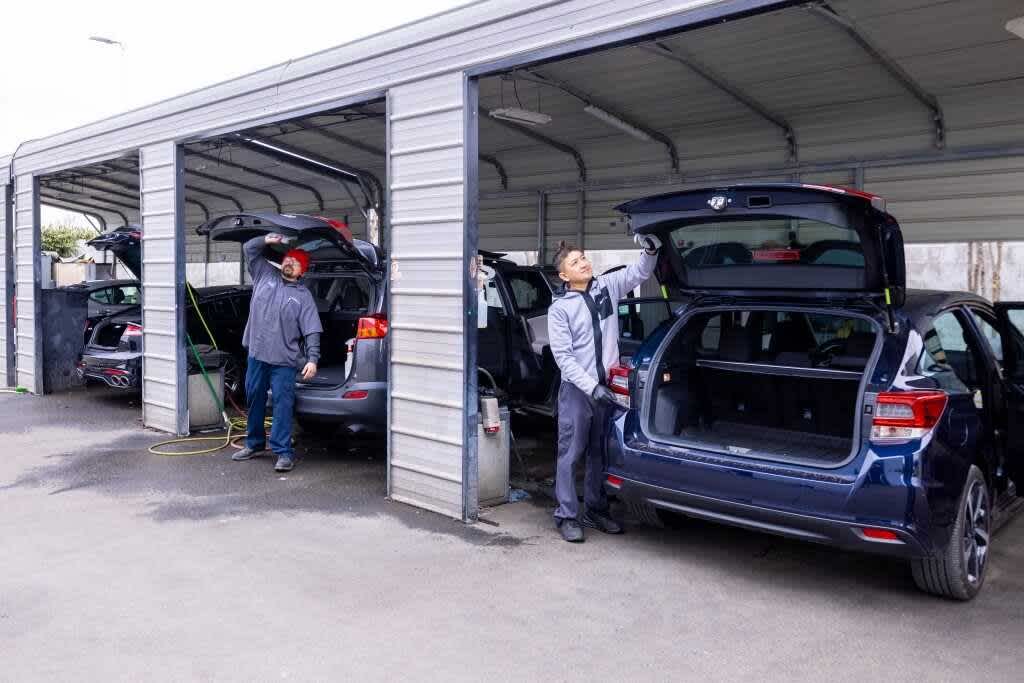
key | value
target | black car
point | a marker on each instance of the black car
(113, 351)
(106, 298)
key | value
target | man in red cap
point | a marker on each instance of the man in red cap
(282, 335)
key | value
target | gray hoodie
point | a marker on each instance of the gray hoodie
(581, 323)
(284, 325)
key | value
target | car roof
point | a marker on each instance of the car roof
(93, 285)
(922, 304)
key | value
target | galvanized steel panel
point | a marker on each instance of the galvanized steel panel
(7, 355)
(164, 390)
(28, 341)
(427, 374)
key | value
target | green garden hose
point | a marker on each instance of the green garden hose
(15, 390)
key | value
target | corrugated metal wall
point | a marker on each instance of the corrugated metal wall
(164, 393)
(6, 284)
(26, 259)
(427, 186)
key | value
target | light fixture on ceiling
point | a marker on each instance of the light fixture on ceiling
(523, 117)
(1016, 27)
(616, 122)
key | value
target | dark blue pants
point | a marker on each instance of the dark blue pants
(582, 429)
(259, 377)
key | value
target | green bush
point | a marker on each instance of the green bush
(64, 239)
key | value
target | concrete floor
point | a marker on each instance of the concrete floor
(119, 565)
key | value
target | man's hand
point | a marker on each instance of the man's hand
(603, 393)
(274, 238)
(309, 371)
(650, 243)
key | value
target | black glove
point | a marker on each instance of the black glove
(603, 393)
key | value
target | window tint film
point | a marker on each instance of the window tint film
(639, 319)
(946, 349)
(768, 242)
(990, 334)
(531, 293)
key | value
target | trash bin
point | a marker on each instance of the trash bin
(204, 411)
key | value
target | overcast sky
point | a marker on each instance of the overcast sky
(55, 78)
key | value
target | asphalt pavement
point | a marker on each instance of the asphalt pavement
(120, 565)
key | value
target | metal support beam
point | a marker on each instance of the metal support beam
(833, 16)
(132, 186)
(493, 161)
(50, 199)
(240, 186)
(340, 139)
(543, 139)
(88, 214)
(215, 195)
(534, 76)
(542, 227)
(581, 232)
(708, 74)
(262, 174)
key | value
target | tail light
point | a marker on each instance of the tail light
(372, 327)
(618, 379)
(618, 382)
(356, 394)
(132, 330)
(905, 415)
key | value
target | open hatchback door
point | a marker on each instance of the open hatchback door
(776, 239)
(125, 243)
(308, 232)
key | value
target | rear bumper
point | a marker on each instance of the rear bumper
(360, 415)
(816, 529)
(117, 369)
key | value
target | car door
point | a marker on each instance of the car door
(531, 367)
(1010, 317)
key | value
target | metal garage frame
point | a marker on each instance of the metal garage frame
(430, 74)
(7, 358)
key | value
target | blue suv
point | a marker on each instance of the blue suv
(800, 389)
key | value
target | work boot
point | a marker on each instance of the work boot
(571, 530)
(248, 453)
(601, 521)
(284, 464)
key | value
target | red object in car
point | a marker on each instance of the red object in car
(372, 327)
(356, 394)
(777, 255)
(614, 481)
(904, 415)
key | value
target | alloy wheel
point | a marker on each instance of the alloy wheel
(976, 532)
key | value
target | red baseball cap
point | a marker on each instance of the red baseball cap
(300, 255)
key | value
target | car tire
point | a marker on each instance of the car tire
(959, 571)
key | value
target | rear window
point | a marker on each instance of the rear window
(768, 241)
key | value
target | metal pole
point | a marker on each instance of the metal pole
(542, 227)
(581, 219)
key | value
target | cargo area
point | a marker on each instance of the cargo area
(776, 385)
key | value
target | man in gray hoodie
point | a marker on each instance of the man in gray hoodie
(583, 331)
(283, 326)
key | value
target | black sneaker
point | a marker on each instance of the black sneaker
(601, 521)
(284, 464)
(571, 530)
(248, 453)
